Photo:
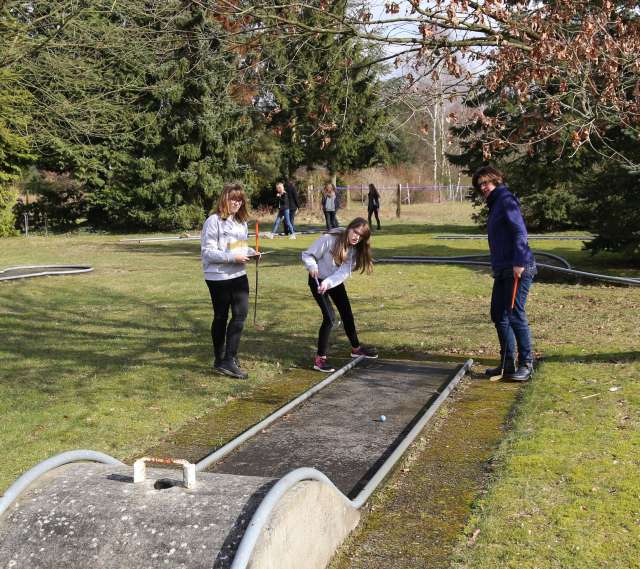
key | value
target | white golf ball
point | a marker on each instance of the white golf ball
(383, 418)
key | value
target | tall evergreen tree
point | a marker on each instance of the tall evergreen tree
(14, 145)
(321, 94)
(84, 65)
(191, 147)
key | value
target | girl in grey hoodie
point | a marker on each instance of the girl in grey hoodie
(330, 261)
(224, 251)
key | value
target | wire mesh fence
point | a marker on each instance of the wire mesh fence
(396, 195)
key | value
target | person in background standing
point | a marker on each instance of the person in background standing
(513, 265)
(294, 204)
(330, 205)
(373, 204)
(282, 205)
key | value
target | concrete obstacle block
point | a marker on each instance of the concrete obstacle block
(84, 515)
(307, 526)
(93, 515)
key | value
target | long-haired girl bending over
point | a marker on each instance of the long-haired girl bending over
(330, 261)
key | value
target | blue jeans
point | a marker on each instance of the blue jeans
(512, 325)
(292, 215)
(283, 214)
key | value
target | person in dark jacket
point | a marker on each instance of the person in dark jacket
(282, 207)
(373, 204)
(330, 205)
(511, 261)
(294, 205)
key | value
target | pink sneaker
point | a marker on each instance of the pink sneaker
(366, 351)
(320, 364)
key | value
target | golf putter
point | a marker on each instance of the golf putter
(516, 281)
(255, 301)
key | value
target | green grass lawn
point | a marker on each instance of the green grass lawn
(119, 359)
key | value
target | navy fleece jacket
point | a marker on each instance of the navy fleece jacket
(508, 240)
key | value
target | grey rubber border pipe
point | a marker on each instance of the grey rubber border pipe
(72, 270)
(481, 256)
(231, 445)
(31, 475)
(532, 236)
(263, 513)
(630, 281)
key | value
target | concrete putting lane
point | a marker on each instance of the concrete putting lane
(338, 431)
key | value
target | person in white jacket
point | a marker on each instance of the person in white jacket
(330, 261)
(224, 251)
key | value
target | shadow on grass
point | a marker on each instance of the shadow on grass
(604, 358)
(109, 334)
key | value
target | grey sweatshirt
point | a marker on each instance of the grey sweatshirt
(221, 240)
(318, 257)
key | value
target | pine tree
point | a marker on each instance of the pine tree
(183, 157)
(321, 95)
(14, 145)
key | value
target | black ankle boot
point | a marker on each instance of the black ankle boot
(230, 367)
(509, 367)
(523, 373)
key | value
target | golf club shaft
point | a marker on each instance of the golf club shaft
(257, 237)
(516, 280)
(255, 300)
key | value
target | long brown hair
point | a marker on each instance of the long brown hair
(340, 249)
(232, 192)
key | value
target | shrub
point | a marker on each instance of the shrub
(8, 198)
(58, 199)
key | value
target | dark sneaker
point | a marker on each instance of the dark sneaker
(366, 351)
(320, 364)
(523, 373)
(230, 367)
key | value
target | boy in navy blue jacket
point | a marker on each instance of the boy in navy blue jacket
(511, 261)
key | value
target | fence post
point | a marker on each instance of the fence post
(398, 200)
(26, 225)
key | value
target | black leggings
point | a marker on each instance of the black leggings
(374, 211)
(330, 219)
(234, 294)
(339, 296)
